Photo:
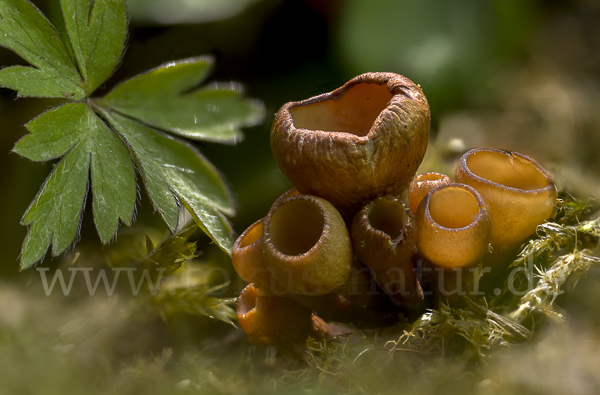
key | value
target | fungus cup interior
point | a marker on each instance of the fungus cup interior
(453, 207)
(389, 217)
(246, 300)
(429, 177)
(296, 227)
(353, 112)
(508, 170)
(252, 235)
(245, 305)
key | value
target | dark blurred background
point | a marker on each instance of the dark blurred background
(512, 74)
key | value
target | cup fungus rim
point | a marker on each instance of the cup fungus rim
(249, 291)
(238, 242)
(397, 85)
(267, 240)
(463, 166)
(439, 176)
(481, 204)
(404, 232)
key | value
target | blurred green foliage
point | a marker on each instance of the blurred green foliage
(166, 12)
(449, 48)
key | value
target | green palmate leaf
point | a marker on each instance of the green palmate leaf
(52, 134)
(54, 216)
(24, 30)
(97, 33)
(162, 98)
(91, 149)
(176, 174)
(211, 221)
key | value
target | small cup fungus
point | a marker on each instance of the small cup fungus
(454, 231)
(277, 321)
(454, 227)
(519, 192)
(363, 140)
(384, 235)
(272, 320)
(421, 185)
(306, 245)
(247, 257)
(247, 253)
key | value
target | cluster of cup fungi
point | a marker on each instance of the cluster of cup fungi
(358, 237)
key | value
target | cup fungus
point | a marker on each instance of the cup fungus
(363, 140)
(421, 185)
(306, 245)
(272, 320)
(247, 253)
(247, 257)
(454, 227)
(384, 235)
(519, 192)
(358, 148)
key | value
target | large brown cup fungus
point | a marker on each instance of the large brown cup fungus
(306, 245)
(363, 140)
(519, 192)
(384, 236)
